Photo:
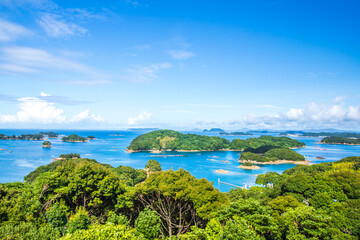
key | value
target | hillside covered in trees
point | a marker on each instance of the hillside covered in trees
(341, 140)
(176, 141)
(74, 138)
(268, 153)
(80, 198)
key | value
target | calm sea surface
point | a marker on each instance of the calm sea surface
(109, 148)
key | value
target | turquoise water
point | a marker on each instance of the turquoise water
(109, 148)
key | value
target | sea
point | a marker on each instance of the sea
(20, 157)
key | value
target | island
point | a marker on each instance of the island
(271, 155)
(169, 140)
(248, 166)
(46, 144)
(35, 137)
(91, 137)
(74, 138)
(341, 140)
(236, 134)
(321, 134)
(214, 130)
(285, 142)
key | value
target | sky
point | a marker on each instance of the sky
(272, 64)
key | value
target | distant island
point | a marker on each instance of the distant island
(38, 136)
(214, 130)
(74, 138)
(91, 137)
(248, 166)
(321, 134)
(341, 140)
(46, 144)
(271, 155)
(169, 140)
(236, 134)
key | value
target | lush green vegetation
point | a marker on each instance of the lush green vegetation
(172, 140)
(247, 164)
(265, 140)
(153, 166)
(46, 144)
(271, 155)
(90, 137)
(74, 138)
(50, 134)
(340, 140)
(83, 199)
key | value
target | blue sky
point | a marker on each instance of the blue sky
(180, 64)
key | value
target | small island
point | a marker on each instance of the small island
(90, 137)
(248, 166)
(74, 138)
(271, 155)
(34, 137)
(46, 144)
(341, 140)
(169, 140)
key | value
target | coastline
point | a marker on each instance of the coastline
(249, 167)
(277, 162)
(351, 144)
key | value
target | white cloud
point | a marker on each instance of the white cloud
(87, 116)
(55, 26)
(139, 118)
(40, 111)
(26, 60)
(145, 73)
(181, 54)
(43, 94)
(10, 31)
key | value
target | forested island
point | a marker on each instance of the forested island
(214, 130)
(266, 141)
(46, 144)
(83, 199)
(341, 140)
(268, 154)
(322, 134)
(74, 138)
(37, 136)
(170, 140)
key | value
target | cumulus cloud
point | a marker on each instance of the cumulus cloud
(312, 115)
(181, 54)
(10, 31)
(145, 73)
(139, 118)
(87, 116)
(36, 110)
(55, 26)
(43, 94)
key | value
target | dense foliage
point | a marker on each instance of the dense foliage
(74, 138)
(271, 155)
(340, 140)
(153, 166)
(82, 199)
(172, 140)
(265, 140)
(46, 144)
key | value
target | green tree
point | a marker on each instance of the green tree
(148, 224)
(78, 221)
(153, 165)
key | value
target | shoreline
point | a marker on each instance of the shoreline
(222, 171)
(351, 144)
(277, 162)
(249, 167)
